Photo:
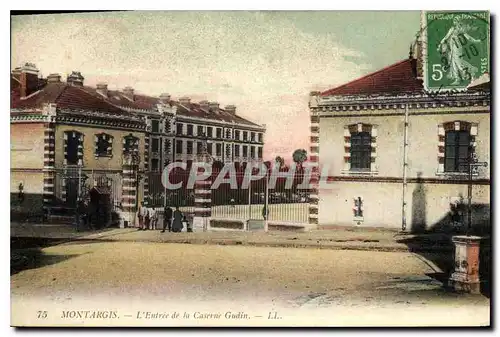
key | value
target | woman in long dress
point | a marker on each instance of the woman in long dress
(452, 48)
(177, 223)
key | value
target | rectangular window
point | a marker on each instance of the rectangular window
(237, 135)
(199, 130)
(361, 149)
(228, 133)
(190, 129)
(252, 152)
(179, 128)
(199, 147)
(178, 146)
(209, 131)
(245, 151)
(155, 145)
(259, 152)
(260, 137)
(209, 148)
(252, 136)
(245, 135)
(219, 133)
(236, 150)
(155, 125)
(456, 156)
(189, 147)
(155, 165)
(218, 149)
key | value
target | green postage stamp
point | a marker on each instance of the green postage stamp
(457, 49)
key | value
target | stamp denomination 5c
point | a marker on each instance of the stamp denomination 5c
(457, 49)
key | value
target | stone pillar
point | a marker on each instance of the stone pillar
(202, 203)
(146, 161)
(466, 275)
(129, 191)
(48, 166)
(314, 162)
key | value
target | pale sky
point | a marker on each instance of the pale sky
(265, 63)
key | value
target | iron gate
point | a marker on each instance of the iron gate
(73, 183)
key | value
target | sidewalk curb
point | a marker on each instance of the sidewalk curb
(379, 248)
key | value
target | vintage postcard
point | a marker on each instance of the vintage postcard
(250, 168)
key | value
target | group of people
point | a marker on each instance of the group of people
(173, 221)
(148, 217)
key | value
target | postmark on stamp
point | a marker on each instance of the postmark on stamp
(456, 49)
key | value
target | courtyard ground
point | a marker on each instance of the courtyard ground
(260, 285)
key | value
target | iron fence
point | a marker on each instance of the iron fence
(285, 203)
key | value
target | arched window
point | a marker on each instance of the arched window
(73, 148)
(130, 145)
(103, 145)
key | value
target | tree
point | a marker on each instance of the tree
(299, 156)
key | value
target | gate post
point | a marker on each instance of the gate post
(314, 162)
(202, 203)
(129, 190)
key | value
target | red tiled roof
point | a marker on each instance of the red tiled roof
(394, 79)
(484, 87)
(65, 96)
(140, 101)
(220, 115)
(189, 109)
(87, 98)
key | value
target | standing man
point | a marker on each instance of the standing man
(147, 218)
(80, 215)
(265, 212)
(154, 217)
(167, 219)
(140, 215)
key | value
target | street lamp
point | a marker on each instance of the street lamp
(466, 272)
(473, 168)
(205, 156)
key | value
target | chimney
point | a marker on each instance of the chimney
(165, 98)
(28, 77)
(213, 106)
(102, 88)
(54, 78)
(184, 100)
(129, 93)
(75, 79)
(231, 109)
(204, 105)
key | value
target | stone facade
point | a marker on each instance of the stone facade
(373, 195)
(61, 130)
